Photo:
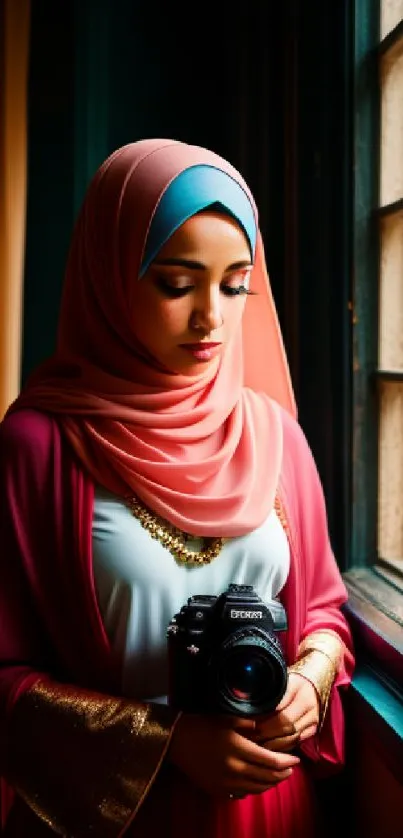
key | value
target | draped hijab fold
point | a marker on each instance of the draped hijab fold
(202, 452)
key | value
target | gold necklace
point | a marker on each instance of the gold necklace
(172, 538)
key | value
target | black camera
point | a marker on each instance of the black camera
(224, 655)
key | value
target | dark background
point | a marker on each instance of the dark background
(266, 85)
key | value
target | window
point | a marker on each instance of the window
(390, 349)
(375, 577)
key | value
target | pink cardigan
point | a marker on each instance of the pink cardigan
(49, 619)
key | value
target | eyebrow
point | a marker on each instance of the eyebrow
(198, 266)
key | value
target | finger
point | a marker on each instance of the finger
(285, 736)
(307, 720)
(254, 754)
(278, 725)
(309, 731)
(300, 706)
(281, 743)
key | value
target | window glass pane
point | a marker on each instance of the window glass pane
(390, 531)
(391, 294)
(391, 14)
(392, 125)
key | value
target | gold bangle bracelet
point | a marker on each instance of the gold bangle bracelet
(325, 641)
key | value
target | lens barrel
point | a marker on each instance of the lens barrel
(248, 673)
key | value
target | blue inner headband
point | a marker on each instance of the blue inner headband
(193, 190)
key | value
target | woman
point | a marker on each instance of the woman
(154, 457)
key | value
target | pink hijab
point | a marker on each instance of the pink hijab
(204, 453)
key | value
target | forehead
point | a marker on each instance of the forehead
(208, 232)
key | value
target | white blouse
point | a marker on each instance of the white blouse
(140, 586)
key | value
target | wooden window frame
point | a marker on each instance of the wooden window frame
(375, 606)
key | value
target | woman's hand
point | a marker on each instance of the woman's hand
(215, 753)
(296, 717)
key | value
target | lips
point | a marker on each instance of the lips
(202, 351)
(201, 345)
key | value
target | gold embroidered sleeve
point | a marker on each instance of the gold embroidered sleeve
(319, 658)
(83, 761)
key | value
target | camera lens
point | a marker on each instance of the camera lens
(248, 676)
(250, 673)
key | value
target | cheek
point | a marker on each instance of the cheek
(156, 320)
(172, 316)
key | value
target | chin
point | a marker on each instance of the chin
(196, 369)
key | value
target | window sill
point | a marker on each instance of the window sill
(375, 613)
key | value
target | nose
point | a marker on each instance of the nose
(207, 314)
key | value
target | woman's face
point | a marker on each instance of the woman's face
(189, 303)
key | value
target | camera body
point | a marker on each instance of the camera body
(224, 654)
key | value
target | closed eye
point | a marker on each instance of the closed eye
(176, 291)
(172, 290)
